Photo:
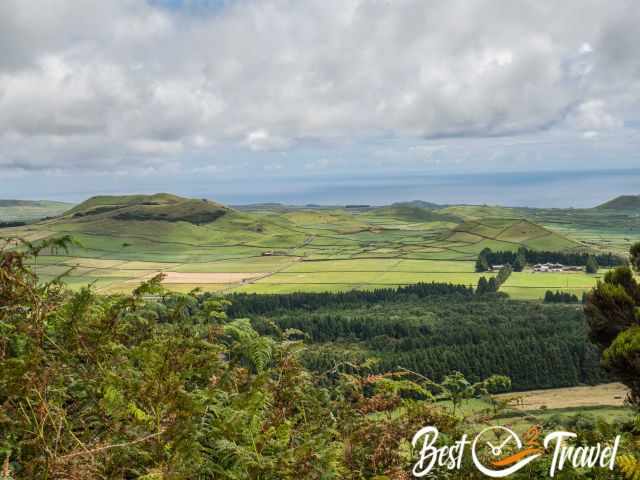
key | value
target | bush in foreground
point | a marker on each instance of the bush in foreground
(120, 387)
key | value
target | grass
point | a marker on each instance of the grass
(315, 249)
(611, 394)
(349, 278)
(338, 275)
(29, 211)
(258, 264)
(294, 287)
(599, 402)
(205, 287)
(469, 279)
(529, 285)
(348, 265)
(528, 293)
(522, 421)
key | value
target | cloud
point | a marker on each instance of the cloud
(593, 115)
(585, 48)
(261, 140)
(156, 147)
(99, 85)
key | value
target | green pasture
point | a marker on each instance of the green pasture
(321, 249)
(537, 293)
(339, 275)
(248, 264)
(29, 211)
(529, 285)
(297, 287)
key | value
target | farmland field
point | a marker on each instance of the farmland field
(566, 406)
(124, 240)
(611, 394)
(553, 408)
(531, 285)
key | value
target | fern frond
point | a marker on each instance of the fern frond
(630, 467)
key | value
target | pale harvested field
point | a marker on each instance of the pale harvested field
(28, 234)
(206, 278)
(612, 394)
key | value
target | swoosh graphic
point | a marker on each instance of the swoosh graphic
(507, 471)
(515, 457)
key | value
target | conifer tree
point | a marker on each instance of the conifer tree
(612, 311)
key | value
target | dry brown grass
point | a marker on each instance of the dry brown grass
(612, 394)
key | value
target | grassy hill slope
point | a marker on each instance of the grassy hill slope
(160, 207)
(509, 234)
(100, 201)
(416, 213)
(623, 202)
(200, 243)
(419, 204)
(29, 210)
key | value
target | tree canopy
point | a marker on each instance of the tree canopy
(612, 310)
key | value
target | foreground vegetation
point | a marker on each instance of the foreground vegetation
(118, 387)
(124, 386)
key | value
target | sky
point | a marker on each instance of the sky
(248, 97)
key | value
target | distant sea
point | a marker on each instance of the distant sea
(564, 189)
(547, 189)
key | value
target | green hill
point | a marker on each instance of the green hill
(509, 234)
(623, 202)
(158, 207)
(418, 203)
(30, 210)
(412, 213)
(121, 240)
(165, 228)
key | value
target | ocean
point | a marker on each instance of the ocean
(563, 189)
(535, 189)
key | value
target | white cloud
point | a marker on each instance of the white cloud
(586, 48)
(156, 147)
(261, 140)
(89, 84)
(593, 115)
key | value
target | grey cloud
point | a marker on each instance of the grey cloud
(94, 85)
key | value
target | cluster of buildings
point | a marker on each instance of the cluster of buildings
(554, 267)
